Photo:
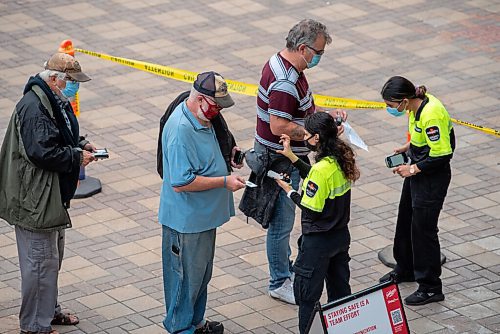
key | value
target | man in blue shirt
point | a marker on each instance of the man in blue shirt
(196, 198)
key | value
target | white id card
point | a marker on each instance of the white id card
(250, 184)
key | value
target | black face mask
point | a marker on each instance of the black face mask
(313, 148)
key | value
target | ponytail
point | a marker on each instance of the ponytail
(420, 91)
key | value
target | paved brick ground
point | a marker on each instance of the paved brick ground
(112, 273)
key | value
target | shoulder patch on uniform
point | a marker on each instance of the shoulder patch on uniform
(433, 133)
(311, 189)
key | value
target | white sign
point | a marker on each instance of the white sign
(378, 312)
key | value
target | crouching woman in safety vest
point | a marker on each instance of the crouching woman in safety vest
(426, 180)
(325, 202)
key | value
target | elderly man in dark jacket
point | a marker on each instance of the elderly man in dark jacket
(40, 161)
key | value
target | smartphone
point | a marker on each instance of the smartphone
(273, 175)
(101, 153)
(238, 157)
(338, 120)
(396, 160)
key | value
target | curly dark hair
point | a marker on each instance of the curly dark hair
(330, 145)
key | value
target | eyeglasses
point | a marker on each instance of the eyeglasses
(209, 100)
(64, 77)
(318, 52)
(67, 78)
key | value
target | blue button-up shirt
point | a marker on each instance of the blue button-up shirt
(189, 150)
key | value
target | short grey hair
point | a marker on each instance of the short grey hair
(194, 94)
(306, 32)
(46, 74)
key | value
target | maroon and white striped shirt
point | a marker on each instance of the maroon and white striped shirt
(283, 92)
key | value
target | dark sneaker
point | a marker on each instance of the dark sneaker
(213, 327)
(422, 298)
(398, 278)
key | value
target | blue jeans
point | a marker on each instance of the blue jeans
(278, 236)
(187, 269)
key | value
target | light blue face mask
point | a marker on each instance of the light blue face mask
(394, 111)
(314, 61)
(71, 88)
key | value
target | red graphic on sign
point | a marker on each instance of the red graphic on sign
(395, 310)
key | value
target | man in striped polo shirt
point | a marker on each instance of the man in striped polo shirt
(284, 100)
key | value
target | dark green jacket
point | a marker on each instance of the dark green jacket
(39, 162)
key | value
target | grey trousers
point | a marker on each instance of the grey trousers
(40, 258)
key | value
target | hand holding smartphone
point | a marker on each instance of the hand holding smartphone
(238, 157)
(396, 160)
(273, 175)
(101, 153)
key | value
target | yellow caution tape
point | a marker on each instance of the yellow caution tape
(343, 103)
(477, 127)
(251, 89)
(233, 86)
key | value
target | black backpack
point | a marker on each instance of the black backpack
(224, 137)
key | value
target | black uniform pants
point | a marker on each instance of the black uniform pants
(322, 256)
(416, 243)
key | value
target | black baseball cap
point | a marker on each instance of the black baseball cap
(213, 84)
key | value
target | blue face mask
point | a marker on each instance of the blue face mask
(394, 111)
(71, 88)
(314, 61)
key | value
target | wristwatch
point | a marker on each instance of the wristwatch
(412, 169)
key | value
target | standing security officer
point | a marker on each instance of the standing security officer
(416, 244)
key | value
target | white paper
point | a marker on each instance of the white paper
(353, 137)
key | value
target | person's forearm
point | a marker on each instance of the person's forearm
(307, 214)
(431, 164)
(201, 183)
(303, 167)
(82, 142)
(295, 131)
(296, 198)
